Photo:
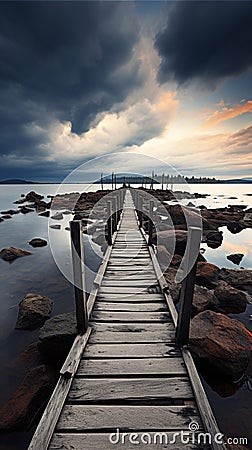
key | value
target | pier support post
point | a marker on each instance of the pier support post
(79, 275)
(187, 288)
(150, 225)
(109, 222)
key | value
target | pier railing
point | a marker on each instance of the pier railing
(114, 210)
(146, 209)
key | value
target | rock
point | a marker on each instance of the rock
(55, 227)
(33, 197)
(11, 253)
(57, 335)
(34, 310)
(45, 214)
(57, 216)
(176, 260)
(19, 410)
(164, 237)
(98, 238)
(7, 216)
(235, 258)
(26, 210)
(207, 274)
(221, 344)
(38, 242)
(234, 227)
(163, 256)
(191, 205)
(229, 299)
(203, 299)
(214, 238)
(173, 287)
(1, 219)
(238, 278)
(11, 212)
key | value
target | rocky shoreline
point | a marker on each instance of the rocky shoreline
(218, 342)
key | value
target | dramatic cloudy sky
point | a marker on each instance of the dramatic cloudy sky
(82, 79)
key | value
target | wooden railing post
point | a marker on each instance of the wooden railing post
(109, 222)
(79, 276)
(187, 288)
(150, 229)
(113, 214)
(140, 210)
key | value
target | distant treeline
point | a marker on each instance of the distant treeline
(161, 179)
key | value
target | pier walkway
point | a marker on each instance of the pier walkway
(126, 380)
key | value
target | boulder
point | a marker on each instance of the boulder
(213, 238)
(55, 227)
(164, 237)
(57, 216)
(45, 214)
(234, 227)
(33, 197)
(235, 258)
(229, 299)
(19, 410)
(57, 335)
(26, 210)
(203, 299)
(11, 212)
(7, 216)
(223, 345)
(34, 309)
(38, 242)
(207, 274)
(239, 278)
(11, 253)
(163, 256)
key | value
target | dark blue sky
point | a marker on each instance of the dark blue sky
(83, 79)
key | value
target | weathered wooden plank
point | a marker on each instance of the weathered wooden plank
(89, 418)
(122, 289)
(136, 337)
(131, 350)
(126, 282)
(159, 440)
(46, 426)
(134, 298)
(141, 367)
(130, 390)
(126, 307)
(120, 316)
(132, 327)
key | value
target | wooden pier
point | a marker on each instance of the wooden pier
(125, 371)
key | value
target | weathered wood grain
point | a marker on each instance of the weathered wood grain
(141, 367)
(106, 418)
(97, 390)
(127, 307)
(105, 316)
(160, 440)
(131, 350)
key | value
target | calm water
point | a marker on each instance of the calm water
(38, 273)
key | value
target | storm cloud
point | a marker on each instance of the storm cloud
(62, 61)
(205, 40)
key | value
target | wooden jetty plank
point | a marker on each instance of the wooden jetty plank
(132, 350)
(159, 439)
(106, 418)
(141, 367)
(126, 282)
(127, 307)
(134, 298)
(130, 390)
(136, 337)
(121, 316)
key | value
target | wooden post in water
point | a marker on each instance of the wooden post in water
(162, 182)
(109, 222)
(150, 229)
(113, 214)
(102, 181)
(115, 180)
(79, 276)
(187, 289)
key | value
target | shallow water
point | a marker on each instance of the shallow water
(38, 273)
